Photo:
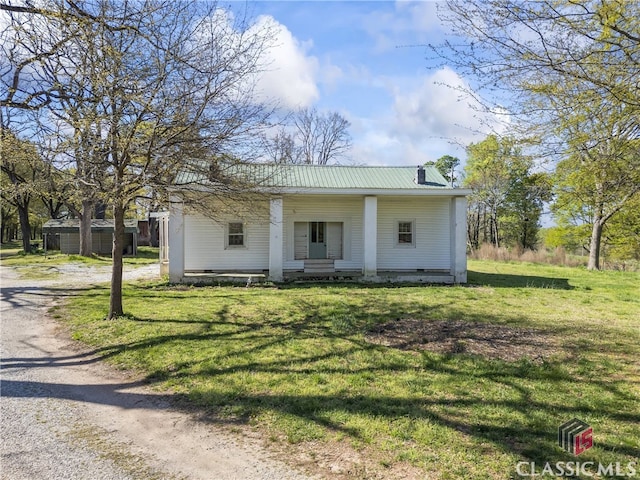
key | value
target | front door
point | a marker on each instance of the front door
(317, 240)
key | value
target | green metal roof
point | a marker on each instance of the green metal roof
(322, 176)
(72, 225)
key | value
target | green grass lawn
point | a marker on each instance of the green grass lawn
(416, 381)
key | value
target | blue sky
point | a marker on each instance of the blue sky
(368, 61)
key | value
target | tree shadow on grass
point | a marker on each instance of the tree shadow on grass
(502, 280)
(523, 422)
(16, 297)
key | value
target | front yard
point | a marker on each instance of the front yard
(385, 381)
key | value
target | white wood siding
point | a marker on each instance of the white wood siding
(301, 240)
(334, 240)
(205, 245)
(432, 233)
(321, 208)
(205, 239)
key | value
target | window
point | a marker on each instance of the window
(317, 232)
(406, 234)
(235, 235)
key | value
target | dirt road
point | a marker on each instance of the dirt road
(65, 415)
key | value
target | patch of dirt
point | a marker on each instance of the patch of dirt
(502, 342)
(339, 460)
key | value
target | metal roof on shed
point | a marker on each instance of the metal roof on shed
(72, 225)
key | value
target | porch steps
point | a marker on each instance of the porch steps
(323, 265)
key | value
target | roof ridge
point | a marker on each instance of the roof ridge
(343, 166)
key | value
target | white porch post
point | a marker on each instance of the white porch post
(276, 240)
(370, 233)
(163, 239)
(458, 221)
(176, 241)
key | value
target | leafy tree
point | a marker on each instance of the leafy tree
(56, 191)
(7, 217)
(22, 168)
(570, 69)
(516, 46)
(447, 165)
(573, 238)
(508, 198)
(601, 175)
(488, 173)
(528, 193)
(622, 233)
(137, 88)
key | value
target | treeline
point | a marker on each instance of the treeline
(510, 195)
(107, 102)
(113, 103)
(570, 88)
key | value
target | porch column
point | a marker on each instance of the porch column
(176, 240)
(163, 239)
(370, 236)
(276, 240)
(458, 222)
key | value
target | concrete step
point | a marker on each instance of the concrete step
(319, 265)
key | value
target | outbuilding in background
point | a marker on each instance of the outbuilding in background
(68, 235)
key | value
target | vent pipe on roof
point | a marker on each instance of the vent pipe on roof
(421, 178)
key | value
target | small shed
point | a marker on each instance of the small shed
(68, 232)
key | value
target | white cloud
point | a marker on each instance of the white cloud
(290, 75)
(331, 74)
(373, 144)
(422, 16)
(429, 117)
(410, 22)
(442, 106)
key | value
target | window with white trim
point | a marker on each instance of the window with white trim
(236, 235)
(405, 233)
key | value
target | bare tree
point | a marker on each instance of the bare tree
(321, 137)
(282, 147)
(143, 90)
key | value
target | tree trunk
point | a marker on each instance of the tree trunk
(470, 232)
(153, 232)
(4, 227)
(485, 224)
(85, 228)
(25, 227)
(476, 235)
(494, 229)
(594, 248)
(115, 300)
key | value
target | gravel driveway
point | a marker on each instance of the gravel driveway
(65, 415)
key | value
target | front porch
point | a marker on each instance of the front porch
(323, 237)
(249, 278)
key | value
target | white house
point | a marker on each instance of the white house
(375, 223)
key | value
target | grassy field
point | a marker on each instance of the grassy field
(386, 381)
